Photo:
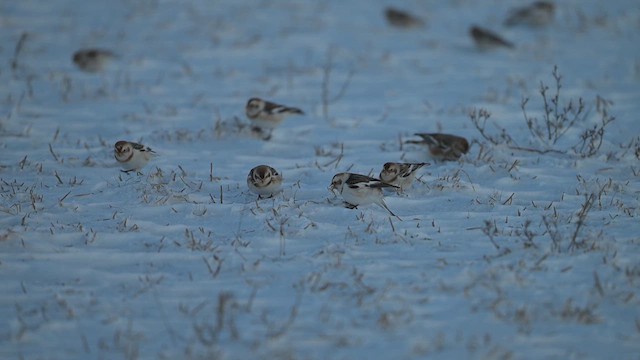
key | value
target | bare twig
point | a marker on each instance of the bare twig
(479, 118)
(327, 69)
(18, 50)
(556, 119)
(55, 157)
(491, 230)
(591, 138)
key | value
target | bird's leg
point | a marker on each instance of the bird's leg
(268, 137)
(350, 206)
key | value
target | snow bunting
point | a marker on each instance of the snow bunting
(264, 181)
(539, 13)
(402, 19)
(400, 174)
(359, 189)
(92, 60)
(132, 156)
(267, 115)
(485, 39)
(444, 146)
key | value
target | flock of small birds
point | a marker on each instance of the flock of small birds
(355, 189)
(537, 14)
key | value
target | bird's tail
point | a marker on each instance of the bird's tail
(427, 139)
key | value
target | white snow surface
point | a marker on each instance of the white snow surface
(513, 252)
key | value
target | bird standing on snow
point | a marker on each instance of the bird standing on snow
(486, 40)
(358, 189)
(537, 14)
(92, 60)
(400, 174)
(132, 156)
(264, 181)
(266, 115)
(402, 19)
(443, 147)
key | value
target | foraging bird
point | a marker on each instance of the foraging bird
(402, 19)
(132, 156)
(443, 147)
(537, 14)
(400, 174)
(359, 189)
(92, 60)
(266, 115)
(264, 181)
(486, 39)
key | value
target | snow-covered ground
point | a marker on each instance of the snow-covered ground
(526, 248)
